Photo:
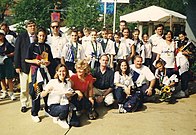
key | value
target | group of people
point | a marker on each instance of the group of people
(74, 73)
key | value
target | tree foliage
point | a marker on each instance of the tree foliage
(37, 10)
(4, 5)
(82, 13)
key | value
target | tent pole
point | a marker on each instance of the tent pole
(114, 21)
(170, 26)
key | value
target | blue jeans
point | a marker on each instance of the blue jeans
(57, 110)
(184, 80)
(120, 95)
(36, 100)
(84, 103)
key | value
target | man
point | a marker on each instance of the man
(141, 75)
(108, 46)
(72, 52)
(10, 35)
(123, 24)
(22, 68)
(155, 40)
(103, 85)
(56, 42)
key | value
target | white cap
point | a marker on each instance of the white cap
(2, 32)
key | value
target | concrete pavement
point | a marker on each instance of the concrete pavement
(161, 119)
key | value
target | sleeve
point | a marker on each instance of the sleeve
(149, 75)
(49, 85)
(112, 79)
(64, 51)
(116, 77)
(29, 54)
(10, 48)
(17, 52)
(50, 57)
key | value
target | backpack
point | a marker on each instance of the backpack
(134, 101)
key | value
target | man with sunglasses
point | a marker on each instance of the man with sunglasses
(56, 41)
(22, 68)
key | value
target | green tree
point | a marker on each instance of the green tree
(37, 10)
(83, 13)
(4, 5)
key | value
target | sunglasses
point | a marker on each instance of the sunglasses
(55, 27)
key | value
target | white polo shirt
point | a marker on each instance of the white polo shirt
(56, 44)
(155, 41)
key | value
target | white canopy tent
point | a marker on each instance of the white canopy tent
(154, 14)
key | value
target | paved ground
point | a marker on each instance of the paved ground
(154, 119)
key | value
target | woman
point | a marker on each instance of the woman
(82, 83)
(147, 49)
(58, 91)
(167, 51)
(139, 46)
(123, 82)
(6, 66)
(39, 56)
(129, 43)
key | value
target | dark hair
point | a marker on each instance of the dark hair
(117, 33)
(183, 33)
(137, 56)
(67, 72)
(130, 34)
(136, 30)
(145, 34)
(169, 31)
(159, 25)
(160, 61)
(127, 72)
(123, 21)
(41, 29)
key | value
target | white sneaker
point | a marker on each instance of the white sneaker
(180, 94)
(3, 95)
(35, 119)
(12, 97)
(121, 109)
(63, 123)
(55, 119)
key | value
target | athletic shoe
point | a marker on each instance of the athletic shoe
(55, 119)
(3, 95)
(121, 109)
(35, 118)
(12, 97)
(180, 94)
(63, 123)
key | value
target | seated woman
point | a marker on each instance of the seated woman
(82, 83)
(123, 83)
(58, 91)
(166, 81)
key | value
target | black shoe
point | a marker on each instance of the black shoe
(24, 109)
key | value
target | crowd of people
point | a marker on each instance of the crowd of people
(76, 72)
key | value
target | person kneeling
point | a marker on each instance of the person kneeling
(58, 91)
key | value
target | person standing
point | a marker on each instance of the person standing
(56, 42)
(72, 52)
(22, 68)
(6, 66)
(155, 40)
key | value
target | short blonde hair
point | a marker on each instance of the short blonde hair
(84, 65)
